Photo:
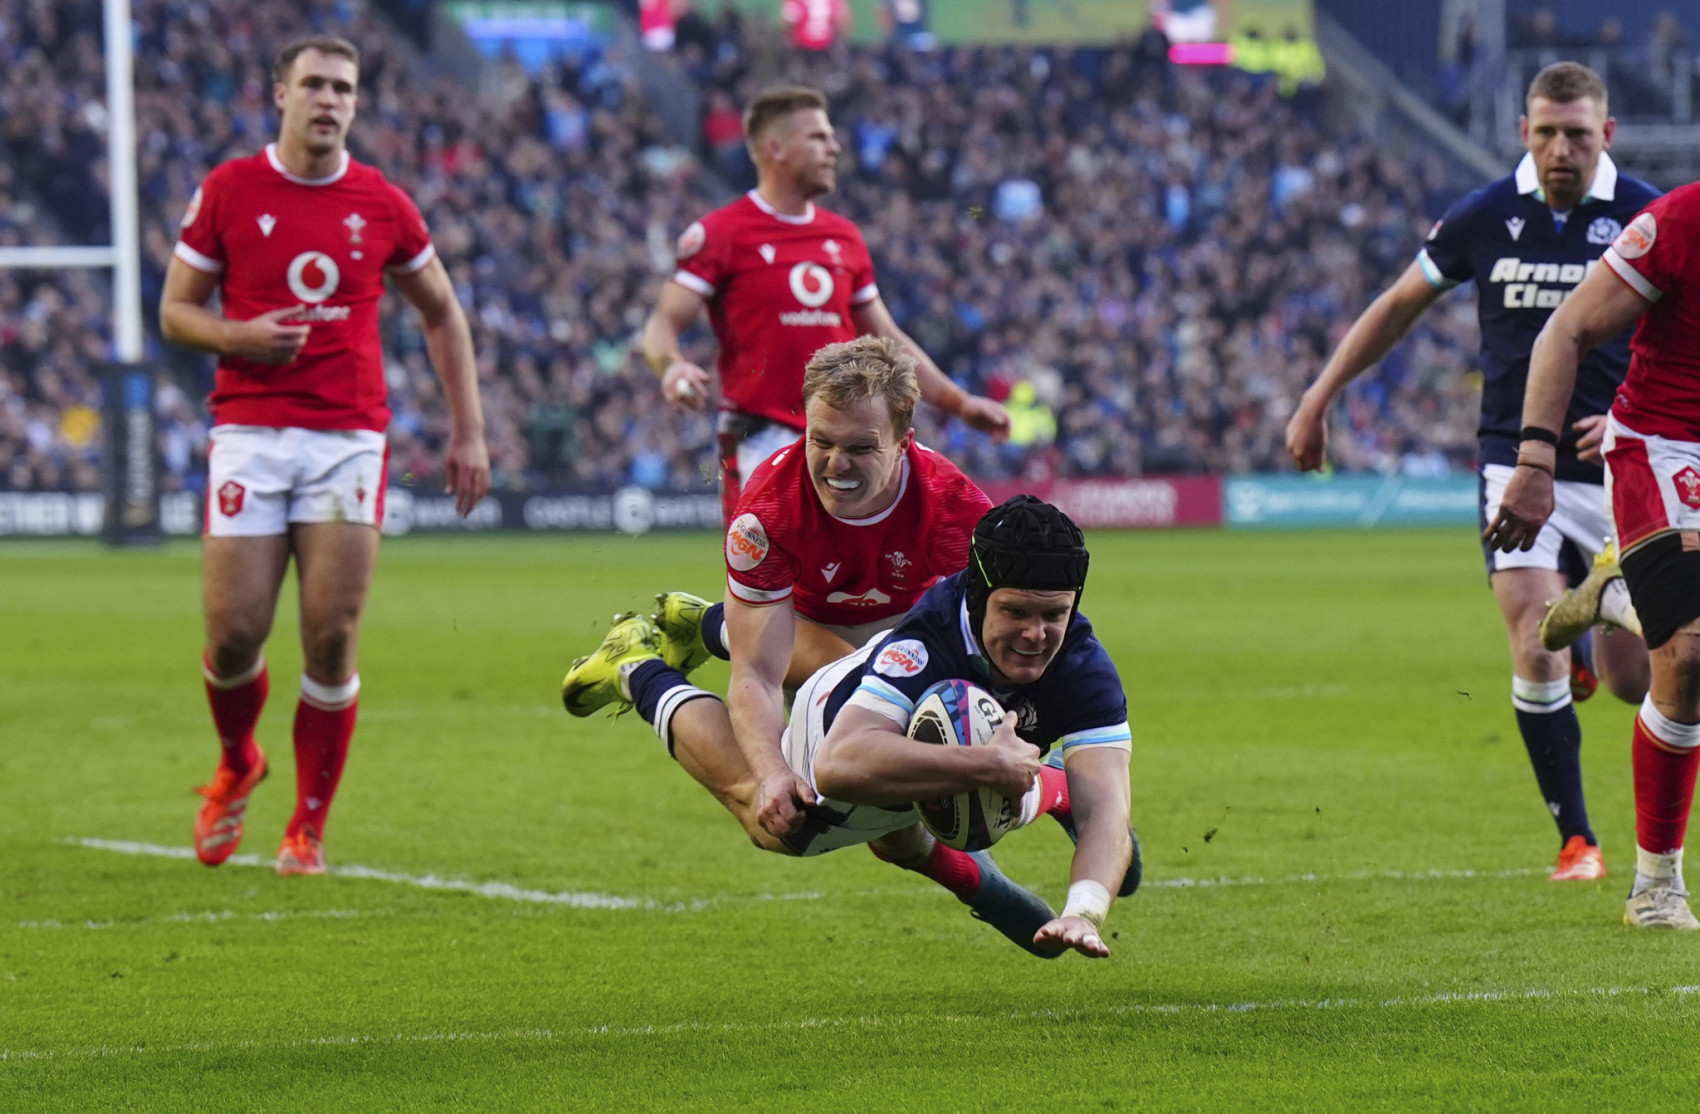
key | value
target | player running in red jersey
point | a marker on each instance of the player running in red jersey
(781, 279)
(832, 542)
(297, 240)
(1652, 451)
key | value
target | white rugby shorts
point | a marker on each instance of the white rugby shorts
(1653, 482)
(1581, 515)
(762, 444)
(262, 478)
(850, 824)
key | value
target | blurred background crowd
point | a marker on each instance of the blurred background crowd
(1146, 262)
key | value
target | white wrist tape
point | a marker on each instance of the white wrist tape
(1088, 900)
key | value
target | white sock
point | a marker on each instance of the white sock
(1656, 870)
(1615, 606)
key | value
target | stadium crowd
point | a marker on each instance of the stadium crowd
(1147, 262)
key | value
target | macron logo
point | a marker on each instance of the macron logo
(767, 252)
(267, 223)
(1515, 227)
(830, 571)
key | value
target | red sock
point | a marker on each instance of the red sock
(955, 870)
(324, 723)
(236, 703)
(1053, 793)
(1664, 790)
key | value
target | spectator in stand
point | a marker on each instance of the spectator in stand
(553, 209)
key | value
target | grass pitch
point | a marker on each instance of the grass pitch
(1345, 903)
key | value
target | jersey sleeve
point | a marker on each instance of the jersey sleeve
(413, 239)
(1651, 252)
(702, 255)
(902, 668)
(1445, 256)
(1096, 715)
(200, 243)
(759, 570)
(863, 286)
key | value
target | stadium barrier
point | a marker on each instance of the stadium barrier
(1237, 502)
(1285, 501)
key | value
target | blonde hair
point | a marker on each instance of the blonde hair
(841, 375)
(776, 104)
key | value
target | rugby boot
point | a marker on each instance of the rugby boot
(594, 682)
(218, 826)
(1663, 906)
(678, 616)
(1017, 913)
(1579, 861)
(301, 853)
(1600, 598)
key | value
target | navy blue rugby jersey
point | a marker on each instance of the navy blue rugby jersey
(1078, 702)
(1524, 261)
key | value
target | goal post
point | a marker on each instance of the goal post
(131, 472)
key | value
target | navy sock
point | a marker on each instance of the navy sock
(1554, 742)
(649, 682)
(713, 622)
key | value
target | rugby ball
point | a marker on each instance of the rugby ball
(959, 714)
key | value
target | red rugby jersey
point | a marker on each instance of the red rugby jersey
(278, 240)
(779, 289)
(1658, 255)
(841, 571)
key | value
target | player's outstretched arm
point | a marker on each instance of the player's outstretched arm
(683, 383)
(760, 641)
(1098, 793)
(448, 339)
(866, 759)
(936, 388)
(1601, 307)
(1370, 338)
(185, 319)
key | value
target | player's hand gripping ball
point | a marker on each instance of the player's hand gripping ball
(959, 714)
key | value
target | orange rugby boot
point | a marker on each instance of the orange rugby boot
(301, 853)
(1580, 861)
(218, 826)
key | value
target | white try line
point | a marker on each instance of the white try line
(902, 1021)
(506, 891)
(503, 891)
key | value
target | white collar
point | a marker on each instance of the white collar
(1602, 188)
(789, 218)
(334, 176)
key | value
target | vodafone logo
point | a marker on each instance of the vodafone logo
(746, 543)
(811, 284)
(313, 267)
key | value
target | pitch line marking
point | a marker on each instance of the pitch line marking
(1446, 998)
(506, 891)
(502, 891)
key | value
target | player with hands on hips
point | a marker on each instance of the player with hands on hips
(297, 241)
